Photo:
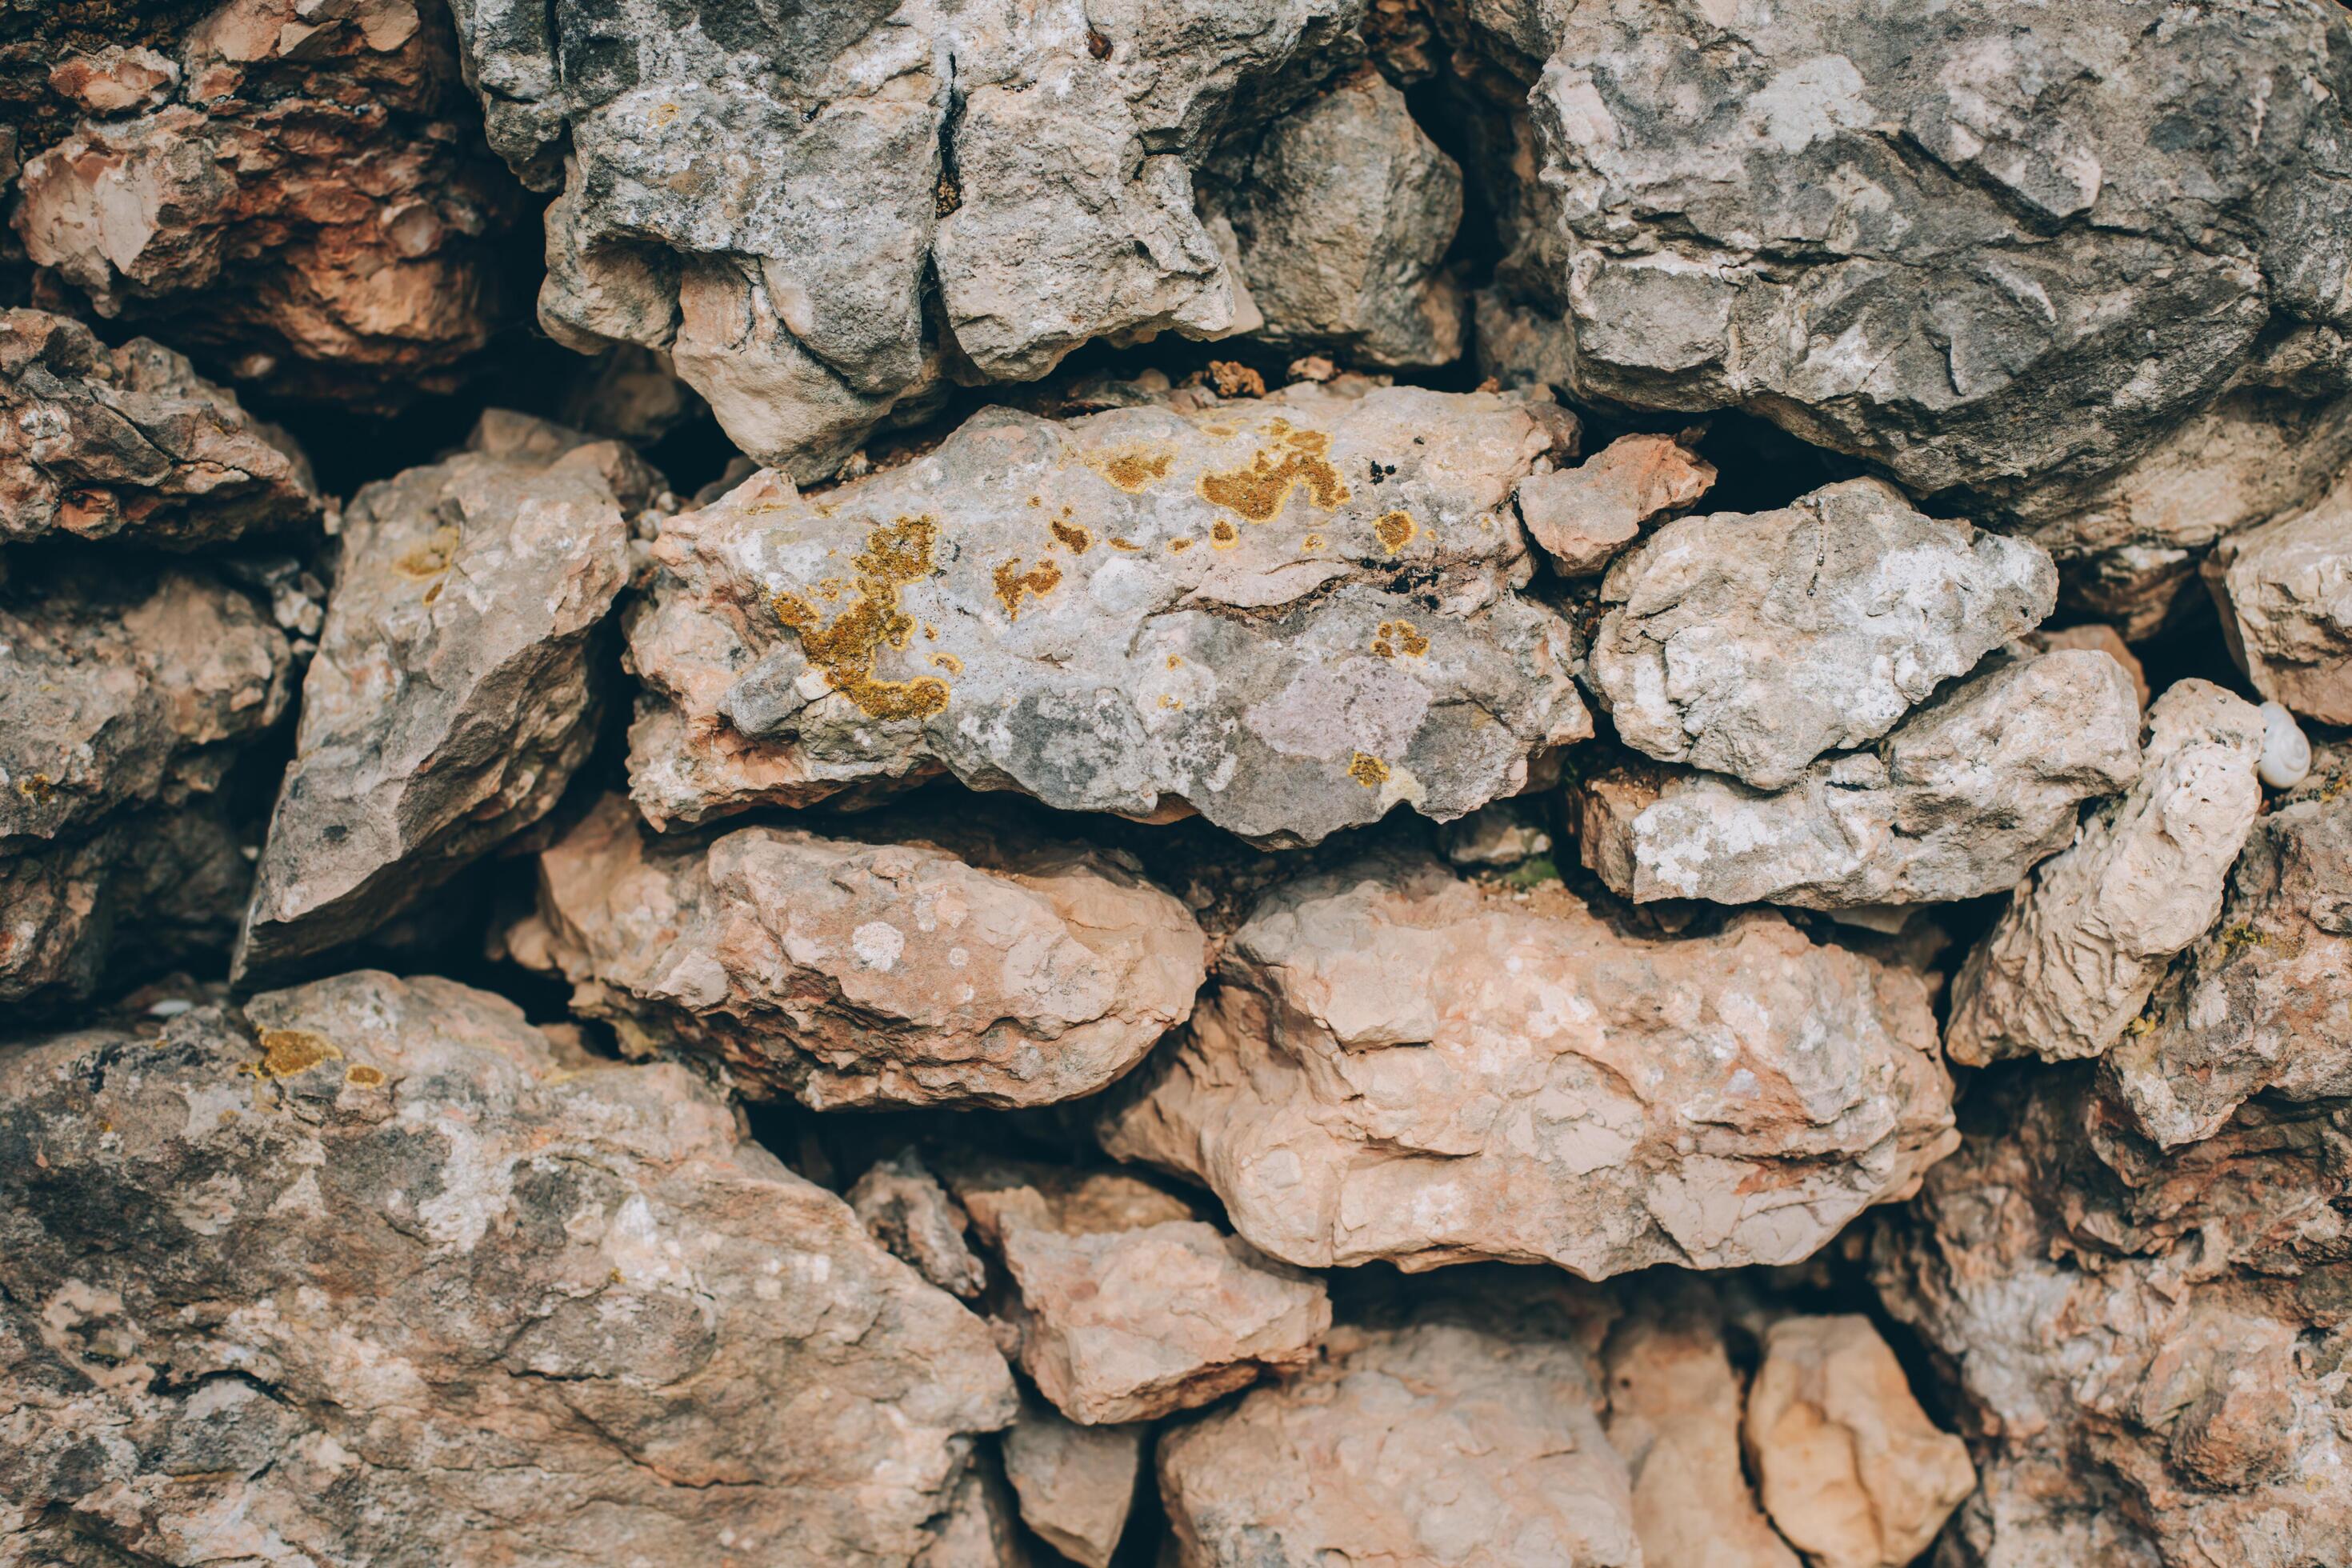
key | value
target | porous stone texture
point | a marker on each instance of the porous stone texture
(1129, 1306)
(2262, 1002)
(1075, 1484)
(903, 1206)
(96, 442)
(1400, 1064)
(771, 199)
(2100, 637)
(456, 689)
(2145, 1350)
(1433, 1443)
(1751, 644)
(1963, 797)
(1849, 1467)
(376, 1277)
(1289, 614)
(124, 700)
(1584, 516)
(2285, 591)
(295, 186)
(850, 971)
(2074, 958)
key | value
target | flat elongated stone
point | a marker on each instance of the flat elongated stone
(2286, 595)
(1750, 645)
(1402, 1066)
(1289, 614)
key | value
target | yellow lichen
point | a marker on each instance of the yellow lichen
(286, 1052)
(1119, 543)
(1076, 538)
(1260, 491)
(1130, 471)
(431, 558)
(362, 1075)
(1012, 583)
(1177, 546)
(39, 788)
(1312, 541)
(845, 650)
(1394, 637)
(1224, 535)
(1395, 530)
(1368, 770)
(947, 661)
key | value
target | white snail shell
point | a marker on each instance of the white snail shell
(2286, 753)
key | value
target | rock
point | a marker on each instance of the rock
(1142, 611)
(2285, 591)
(1753, 644)
(455, 691)
(1342, 224)
(1131, 1306)
(1398, 1065)
(1504, 833)
(124, 700)
(771, 199)
(2066, 969)
(1433, 1443)
(981, 1527)
(2261, 1003)
(903, 1206)
(1850, 1467)
(308, 205)
(365, 1264)
(1584, 516)
(857, 972)
(631, 394)
(2143, 1348)
(1962, 798)
(1077, 1484)
(2100, 637)
(95, 441)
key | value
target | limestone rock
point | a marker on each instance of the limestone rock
(1507, 833)
(2285, 591)
(96, 441)
(903, 1206)
(851, 972)
(1584, 516)
(1342, 222)
(362, 1270)
(1752, 644)
(1849, 1466)
(455, 690)
(1433, 1443)
(1141, 611)
(2100, 637)
(981, 1527)
(1962, 798)
(1402, 1066)
(1131, 1306)
(2262, 1001)
(2144, 1349)
(304, 199)
(1077, 1484)
(2066, 969)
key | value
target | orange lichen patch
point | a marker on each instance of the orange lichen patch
(1177, 546)
(1174, 662)
(1224, 535)
(947, 662)
(431, 558)
(1076, 538)
(39, 788)
(1368, 770)
(1012, 583)
(1260, 491)
(285, 1052)
(1117, 543)
(1131, 471)
(845, 650)
(362, 1075)
(1394, 637)
(1395, 530)
(1168, 701)
(1316, 442)
(930, 632)
(1312, 541)
(1037, 500)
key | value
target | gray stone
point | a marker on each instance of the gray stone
(904, 1207)
(2285, 591)
(1584, 516)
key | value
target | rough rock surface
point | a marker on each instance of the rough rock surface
(124, 702)
(2262, 1001)
(1585, 515)
(1400, 1065)
(903, 1206)
(1075, 1484)
(1433, 1443)
(298, 193)
(2099, 637)
(2147, 1351)
(851, 972)
(96, 441)
(378, 1278)
(2286, 595)
(1848, 1465)
(2075, 957)
(1131, 1306)
(1962, 798)
(1752, 644)
(456, 689)
(1289, 614)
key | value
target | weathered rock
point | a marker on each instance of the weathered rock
(1585, 515)
(902, 1206)
(2146, 1351)
(2262, 1001)
(1433, 1443)
(981, 1527)
(298, 192)
(1962, 798)
(1848, 1465)
(1504, 833)
(2068, 966)
(632, 394)
(1753, 644)
(1400, 1064)
(2285, 591)
(124, 702)
(2099, 637)
(455, 690)
(97, 441)
(1077, 1484)
(772, 198)
(1342, 222)
(364, 1273)
(1140, 611)
(1131, 1307)
(851, 972)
